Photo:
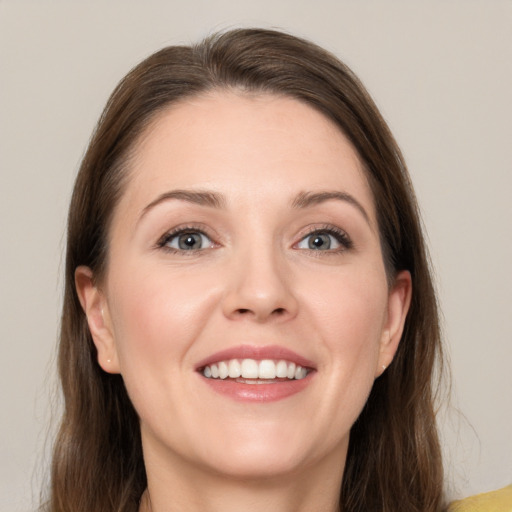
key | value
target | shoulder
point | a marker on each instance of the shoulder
(496, 501)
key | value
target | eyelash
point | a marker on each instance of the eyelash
(338, 234)
(170, 235)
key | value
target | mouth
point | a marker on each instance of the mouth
(260, 374)
(252, 371)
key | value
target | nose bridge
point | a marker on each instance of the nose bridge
(259, 284)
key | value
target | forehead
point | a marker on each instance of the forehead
(236, 143)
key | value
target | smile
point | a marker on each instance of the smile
(252, 371)
(257, 374)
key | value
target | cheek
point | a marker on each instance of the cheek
(156, 316)
(357, 293)
(345, 315)
(349, 311)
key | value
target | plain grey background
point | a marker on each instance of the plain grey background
(441, 72)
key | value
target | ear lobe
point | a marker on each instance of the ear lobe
(399, 300)
(96, 310)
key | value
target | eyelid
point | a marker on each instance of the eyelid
(341, 236)
(183, 229)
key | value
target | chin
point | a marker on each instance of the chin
(268, 454)
(259, 465)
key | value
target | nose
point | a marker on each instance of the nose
(259, 288)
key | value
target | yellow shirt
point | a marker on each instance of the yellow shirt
(496, 501)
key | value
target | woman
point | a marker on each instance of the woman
(249, 319)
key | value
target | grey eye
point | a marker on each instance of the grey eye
(189, 241)
(319, 241)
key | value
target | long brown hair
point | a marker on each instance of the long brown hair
(394, 461)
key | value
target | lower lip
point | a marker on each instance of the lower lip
(271, 392)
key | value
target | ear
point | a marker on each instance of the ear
(399, 300)
(96, 310)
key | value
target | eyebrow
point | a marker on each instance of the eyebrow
(199, 197)
(215, 200)
(308, 199)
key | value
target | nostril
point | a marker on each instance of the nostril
(276, 312)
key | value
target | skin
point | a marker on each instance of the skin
(158, 313)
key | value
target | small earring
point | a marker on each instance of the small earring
(383, 367)
(109, 360)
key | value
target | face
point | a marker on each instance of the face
(245, 303)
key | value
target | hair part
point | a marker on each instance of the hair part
(98, 463)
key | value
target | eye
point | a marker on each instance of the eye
(325, 240)
(186, 240)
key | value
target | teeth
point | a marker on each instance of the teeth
(235, 370)
(291, 371)
(267, 369)
(300, 372)
(223, 370)
(252, 369)
(282, 369)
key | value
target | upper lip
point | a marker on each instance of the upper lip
(275, 352)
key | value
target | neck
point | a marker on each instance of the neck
(184, 488)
